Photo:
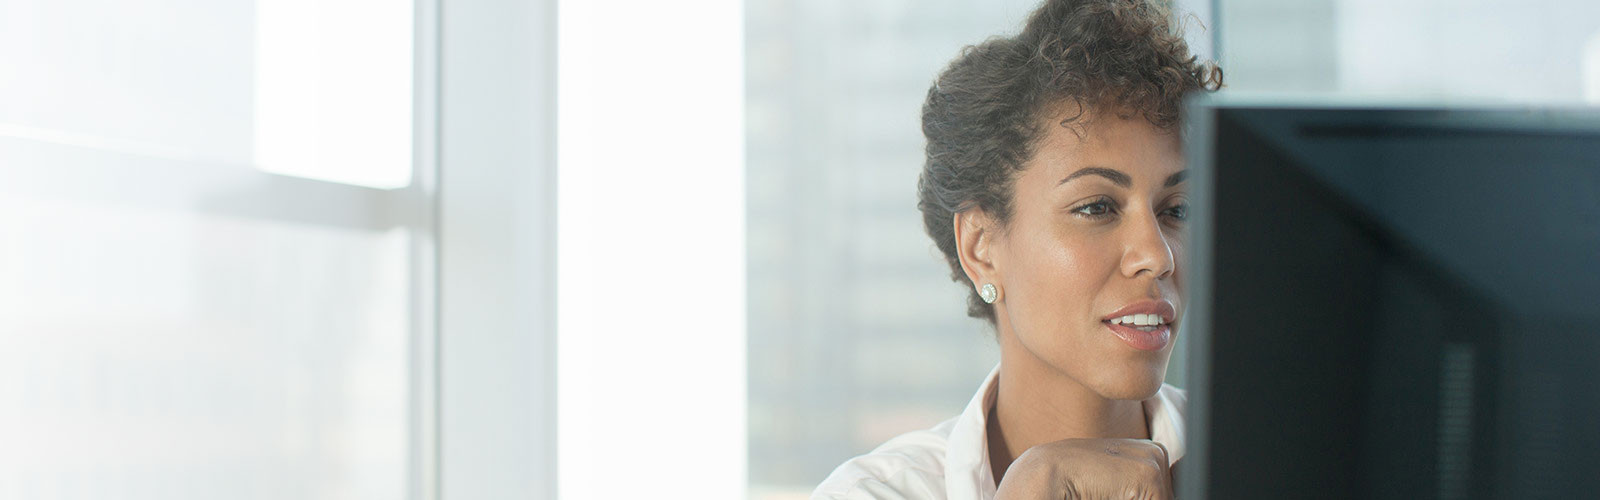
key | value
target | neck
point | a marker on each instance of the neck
(1038, 404)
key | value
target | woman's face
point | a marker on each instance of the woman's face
(1097, 230)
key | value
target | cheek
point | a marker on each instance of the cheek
(1083, 266)
(1061, 275)
(1180, 261)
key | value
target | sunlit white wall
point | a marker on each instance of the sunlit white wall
(651, 301)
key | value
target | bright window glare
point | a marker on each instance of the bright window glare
(651, 307)
(333, 90)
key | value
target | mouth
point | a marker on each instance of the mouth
(1144, 338)
(1141, 322)
(1146, 326)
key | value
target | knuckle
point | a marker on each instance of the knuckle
(1149, 472)
(1030, 455)
(1070, 490)
(1156, 468)
(1161, 450)
(1150, 448)
(1135, 492)
(1143, 492)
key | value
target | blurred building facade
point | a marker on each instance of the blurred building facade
(856, 332)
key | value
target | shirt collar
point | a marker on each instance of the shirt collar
(967, 473)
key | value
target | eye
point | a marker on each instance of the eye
(1097, 209)
(1178, 212)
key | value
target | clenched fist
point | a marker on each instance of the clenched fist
(1089, 469)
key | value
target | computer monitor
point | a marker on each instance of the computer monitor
(1393, 303)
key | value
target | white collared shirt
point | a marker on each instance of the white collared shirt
(951, 460)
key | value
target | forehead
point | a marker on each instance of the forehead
(1131, 145)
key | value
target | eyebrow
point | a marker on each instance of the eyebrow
(1174, 179)
(1121, 179)
(1116, 177)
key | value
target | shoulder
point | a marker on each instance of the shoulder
(910, 466)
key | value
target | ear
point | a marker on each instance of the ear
(976, 234)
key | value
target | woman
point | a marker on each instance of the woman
(1054, 185)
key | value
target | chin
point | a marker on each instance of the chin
(1133, 382)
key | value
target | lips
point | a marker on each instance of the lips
(1130, 324)
(1160, 308)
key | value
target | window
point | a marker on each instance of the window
(179, 318)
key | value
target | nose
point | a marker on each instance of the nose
(1147, 249)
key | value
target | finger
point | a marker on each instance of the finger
(1163, 455)
(1168, 489)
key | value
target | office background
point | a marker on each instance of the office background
(512, 249)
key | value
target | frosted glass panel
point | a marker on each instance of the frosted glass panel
(1451, 51)
(156, 76)
(318, 89)
(1529, 51)
(150, 354)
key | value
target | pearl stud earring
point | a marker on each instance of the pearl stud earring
(988, 293)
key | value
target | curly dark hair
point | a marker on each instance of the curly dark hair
(983, 115)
